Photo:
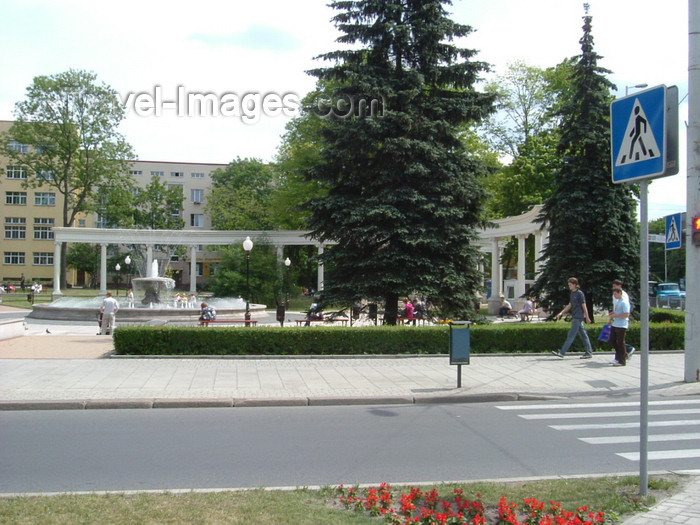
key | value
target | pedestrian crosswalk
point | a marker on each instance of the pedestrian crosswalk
(671, 435)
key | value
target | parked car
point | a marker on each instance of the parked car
(668, 290)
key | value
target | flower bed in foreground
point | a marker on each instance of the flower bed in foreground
(430, 508)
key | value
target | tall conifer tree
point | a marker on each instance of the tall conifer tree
(592, 222)
(404, 197)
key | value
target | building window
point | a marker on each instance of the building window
(157, 174)
(16, 172)
(197, 220)
(42, 228)
(43, 258)
(15, 228)
(177, 174)
(16, 197)
(81, 223)
(45, 175)
(199, 269)
(44, 199)
(198, 175)
(136, 173)
(197, 196)
(17, 147)
(14, 258)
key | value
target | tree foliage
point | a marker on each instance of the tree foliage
(404, 195)
(241, 196)
(85, 258)
(70, 122)
(592, 222)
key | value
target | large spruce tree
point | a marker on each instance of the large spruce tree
(592, 222)
(404, 197)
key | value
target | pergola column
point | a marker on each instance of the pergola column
(522, 256)
(56, 268)
(539, 246)
(494, 299)
(193, 269)
(103, 269)
(319, 286)
(149, 260)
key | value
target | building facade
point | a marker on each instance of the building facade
(29, 214)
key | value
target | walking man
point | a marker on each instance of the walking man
(109, 309)
(579, 313)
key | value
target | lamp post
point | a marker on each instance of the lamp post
(283, 302)
(287, 263)
(117, 268)
(127, 261)
(247, 246)
(636, 86)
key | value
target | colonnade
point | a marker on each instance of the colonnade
(492, 239)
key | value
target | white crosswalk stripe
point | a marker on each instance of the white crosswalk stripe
(611, 420)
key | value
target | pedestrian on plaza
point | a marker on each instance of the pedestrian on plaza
(505, 307)
(528, 309)
(617, 283)
(130, 298)
(619, 319)
(109, 310)
(579, 316)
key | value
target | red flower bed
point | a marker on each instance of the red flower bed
(429, 508)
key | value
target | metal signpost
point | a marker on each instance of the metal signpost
(644, 134)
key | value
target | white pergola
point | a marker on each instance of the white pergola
(191, 238)
(520, 226)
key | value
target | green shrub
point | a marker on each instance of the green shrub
(381, 340)
(665, 315)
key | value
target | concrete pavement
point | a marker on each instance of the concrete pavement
(67, 366)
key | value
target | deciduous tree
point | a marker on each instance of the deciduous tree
(70, 122)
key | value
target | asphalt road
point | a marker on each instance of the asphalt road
(119, 450)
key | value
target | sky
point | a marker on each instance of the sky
(150, 51)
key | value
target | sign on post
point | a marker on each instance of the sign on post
(644, 138)
(674, 227)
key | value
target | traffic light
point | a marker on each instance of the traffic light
(696, 230)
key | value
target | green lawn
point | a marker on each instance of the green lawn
(615, 496)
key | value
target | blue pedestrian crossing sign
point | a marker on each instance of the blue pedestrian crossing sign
(639, 135)
(674, 229)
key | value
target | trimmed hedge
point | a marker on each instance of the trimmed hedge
(380, 340)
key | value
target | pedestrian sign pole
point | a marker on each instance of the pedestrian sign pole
(644, 136)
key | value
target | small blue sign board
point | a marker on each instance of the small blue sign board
(674, 229)
(460, 342)
(638, 128)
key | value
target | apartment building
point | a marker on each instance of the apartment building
(28, 215)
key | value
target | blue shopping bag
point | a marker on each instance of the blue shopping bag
(605, 334)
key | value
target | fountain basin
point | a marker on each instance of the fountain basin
(74, 309)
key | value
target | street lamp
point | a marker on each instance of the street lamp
(127, 261)
(284, 302)
(117, 267)
(247, 246)
(637, 86)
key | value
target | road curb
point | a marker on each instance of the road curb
(157, 403)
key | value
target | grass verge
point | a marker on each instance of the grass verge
(617, 497)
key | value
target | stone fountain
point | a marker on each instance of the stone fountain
(152, 303)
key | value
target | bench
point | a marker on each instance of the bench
(343, 320)
(529, 316)
(407, 320)
(247, 322)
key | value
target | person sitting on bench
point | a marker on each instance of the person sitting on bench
(528, 309)
(505, 307)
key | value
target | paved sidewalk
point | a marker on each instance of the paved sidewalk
(67, 366)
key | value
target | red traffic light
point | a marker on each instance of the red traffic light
(696, 231)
